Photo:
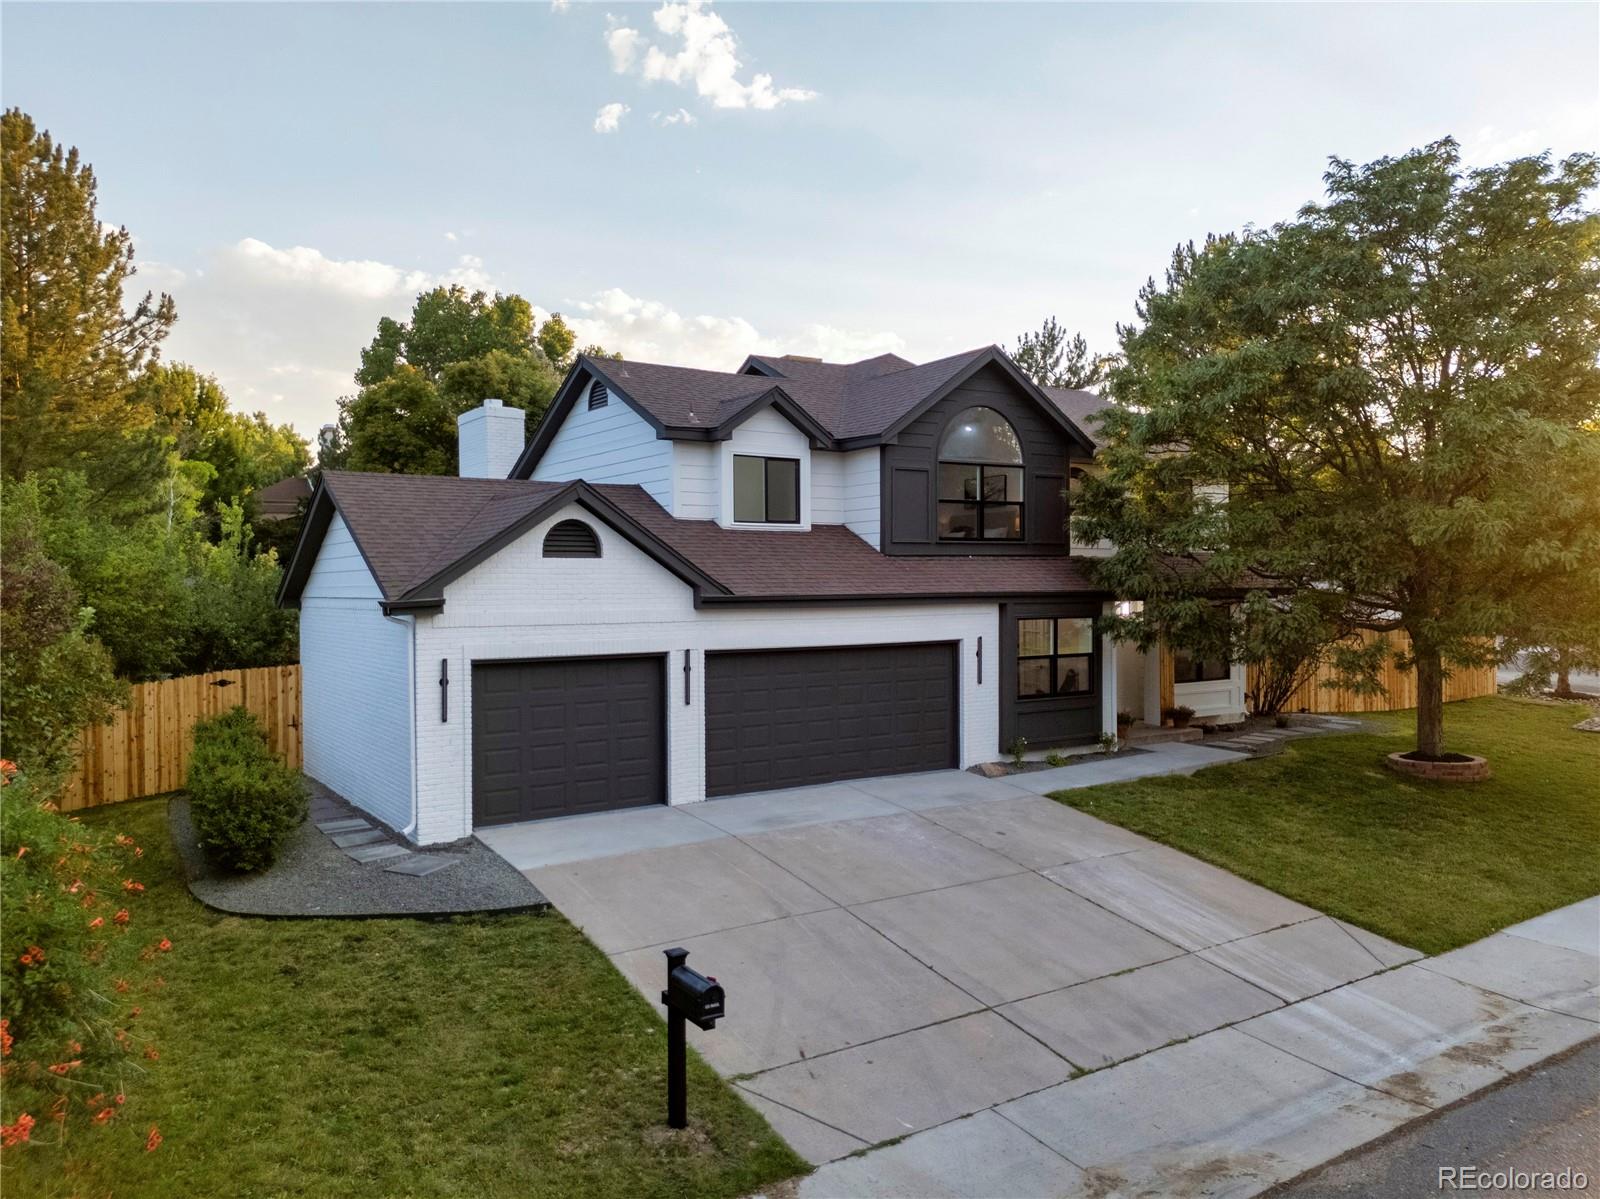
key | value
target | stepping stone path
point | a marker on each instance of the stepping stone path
(366, 842)
(1261, 742)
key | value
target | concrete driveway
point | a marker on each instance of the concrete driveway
(901, 952)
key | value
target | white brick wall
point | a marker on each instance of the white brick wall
(355, 684)
(490, 438)
(519, 604)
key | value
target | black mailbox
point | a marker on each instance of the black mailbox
(699, 998)
(690, 996)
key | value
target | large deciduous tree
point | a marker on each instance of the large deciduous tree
(1053, 359)
(1399, 390)
(458, 349)
(69, 347)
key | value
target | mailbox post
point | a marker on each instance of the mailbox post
(690, 995)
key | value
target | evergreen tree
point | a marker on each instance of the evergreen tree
(1052, 359)
(69, 350)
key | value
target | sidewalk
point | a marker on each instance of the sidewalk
(1243, 1108)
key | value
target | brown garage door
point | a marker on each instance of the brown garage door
(555, 738)
(792, 717)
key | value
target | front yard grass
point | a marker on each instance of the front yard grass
(476, 1056)
(1431, 865)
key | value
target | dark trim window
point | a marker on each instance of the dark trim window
(1187, 668)
(766, 491)
(980, 479)
(1055, 656)
(599, 395)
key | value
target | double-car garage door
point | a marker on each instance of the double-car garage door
(561, 737)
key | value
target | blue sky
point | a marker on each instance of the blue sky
(927, 177)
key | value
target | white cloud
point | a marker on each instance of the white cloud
(609, 117)
(283, 328)
(449, 236)
(682, 117)
(701, 52)
(623, 44)
(651, 331)
(560, 5)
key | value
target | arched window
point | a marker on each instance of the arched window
(571, 539)
(980, 479)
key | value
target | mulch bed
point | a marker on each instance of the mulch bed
(313, 877)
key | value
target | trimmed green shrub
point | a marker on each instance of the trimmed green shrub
(243, 799)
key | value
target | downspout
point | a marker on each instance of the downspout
(410, 624)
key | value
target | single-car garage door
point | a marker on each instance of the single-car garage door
(559, 737)
(792, 717)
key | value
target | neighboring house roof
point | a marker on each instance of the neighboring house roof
(282, 499)
(417, 532)
(1082, 408)
(837, 405)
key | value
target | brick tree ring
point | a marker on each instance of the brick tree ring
(1452, 768)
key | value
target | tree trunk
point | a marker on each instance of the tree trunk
(1430, 701)
(1563, 682)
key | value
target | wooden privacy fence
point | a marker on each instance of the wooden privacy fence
(145, 748)
(1399, 686)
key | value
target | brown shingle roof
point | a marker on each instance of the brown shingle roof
(412, 529)
(856, 399)
(1082, 408)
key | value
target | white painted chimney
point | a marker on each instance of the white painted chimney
(490, 440)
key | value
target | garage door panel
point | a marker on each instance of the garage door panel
(793, 718)
(559, 737)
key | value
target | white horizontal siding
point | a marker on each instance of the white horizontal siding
(355, 684)
(518, 604)
(863, 511)
(696, 485)
(613, 444)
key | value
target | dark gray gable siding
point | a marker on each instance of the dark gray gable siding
(910, 520)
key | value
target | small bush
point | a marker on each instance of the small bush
(243, 800)
(1019, 752)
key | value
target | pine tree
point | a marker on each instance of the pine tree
(70, 349)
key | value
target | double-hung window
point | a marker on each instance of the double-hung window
(766, 490)
(1055, 656)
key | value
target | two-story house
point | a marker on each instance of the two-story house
(693, 583)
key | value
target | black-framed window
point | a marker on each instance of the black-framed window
(980, 479)
(1188, 668)
(766, 490)
(1055, 656)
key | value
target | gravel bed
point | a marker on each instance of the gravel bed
(313, 877)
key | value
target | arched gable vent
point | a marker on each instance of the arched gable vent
(598, 395)
(571, 539)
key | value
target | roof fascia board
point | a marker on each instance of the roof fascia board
(319, 516)
(776, 397)
(992, 356)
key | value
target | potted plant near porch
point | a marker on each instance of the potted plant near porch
(1179, 716)
(1124, 723)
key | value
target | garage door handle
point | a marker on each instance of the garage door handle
(444, 690)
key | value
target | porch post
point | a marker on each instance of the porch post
(1152, 684)
(1108, 676)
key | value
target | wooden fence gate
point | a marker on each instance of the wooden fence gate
(145, 748)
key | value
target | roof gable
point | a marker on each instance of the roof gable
(837, 405)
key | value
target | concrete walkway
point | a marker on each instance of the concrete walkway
(1242, 1109)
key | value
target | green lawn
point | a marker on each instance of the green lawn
(480, 1056)
(1432, 865)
